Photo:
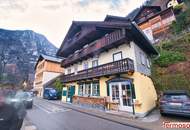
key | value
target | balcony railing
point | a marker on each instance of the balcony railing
(96, 47)
(116, 67)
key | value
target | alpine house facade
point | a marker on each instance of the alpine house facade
(107, 66)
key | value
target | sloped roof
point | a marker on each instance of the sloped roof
(116, 18)
(136, 34)
(137, 11)
(133, 14)
(97, 24)
(51, 58)
(48, 58)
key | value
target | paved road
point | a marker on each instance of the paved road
(48, 116)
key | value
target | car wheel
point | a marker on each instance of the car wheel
(163, 114)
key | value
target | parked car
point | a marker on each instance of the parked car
(26, 98)
(18, 104)
(50, 93)
(175, 103)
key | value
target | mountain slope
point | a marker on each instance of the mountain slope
(19, 51)
(171, 70)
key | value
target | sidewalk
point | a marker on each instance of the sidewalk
(27, 125)
(151, 122)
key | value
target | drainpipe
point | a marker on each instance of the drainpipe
(133, 105)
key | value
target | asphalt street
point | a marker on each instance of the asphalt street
(47, 116)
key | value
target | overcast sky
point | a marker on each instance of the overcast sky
(53, 18)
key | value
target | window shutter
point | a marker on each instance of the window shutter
(64, 93)
(108, 90)
(133, 91)
(98, 90)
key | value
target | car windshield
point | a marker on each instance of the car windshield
(23, 95)
(176, 97)
(52, 91)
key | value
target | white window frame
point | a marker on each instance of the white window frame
(85, 90)
(81, 86)
(117, 54)
(76, 69)
(148, 62)
(69, 71)
(95, 61)
(142, 57)
(95, 88)
(85, 65)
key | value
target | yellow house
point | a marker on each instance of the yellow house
(107, 66)
(46, 69)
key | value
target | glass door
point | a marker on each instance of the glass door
(126, 96)
(121, 93)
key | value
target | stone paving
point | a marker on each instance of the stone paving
(152, 121)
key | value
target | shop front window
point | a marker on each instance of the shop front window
(95, 89)
(89, 89)
(81, 89)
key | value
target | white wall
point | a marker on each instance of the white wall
(131, 51)
(47, 76)
(106, 57)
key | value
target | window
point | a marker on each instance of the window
(81, 90)
(115, 93)
(88, 89)
(69, 71)
(85, 65)
(76, 69)
(94, 63)
(95, 89)
(156, 25)
(142, 56)
(117, 56)
(148, 63)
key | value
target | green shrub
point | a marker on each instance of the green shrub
(172, 82)
(169, 57)
(58, 85)
(183, 21)
(167, 45)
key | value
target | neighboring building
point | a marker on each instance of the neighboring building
(164, 4)
(107, 65)
(153, 21)
(46, 69)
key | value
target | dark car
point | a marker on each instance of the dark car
(50, 93)
(26, 98)
(175, 103)
(13, 98)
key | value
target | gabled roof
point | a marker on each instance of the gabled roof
(137, 11)
(133, 14)
(48, 58)
(96, 24)
(115, 18)
(132, 29)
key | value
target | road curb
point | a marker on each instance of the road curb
(98, 115)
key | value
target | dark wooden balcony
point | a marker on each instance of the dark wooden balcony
(117, 67)
(110, 40)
